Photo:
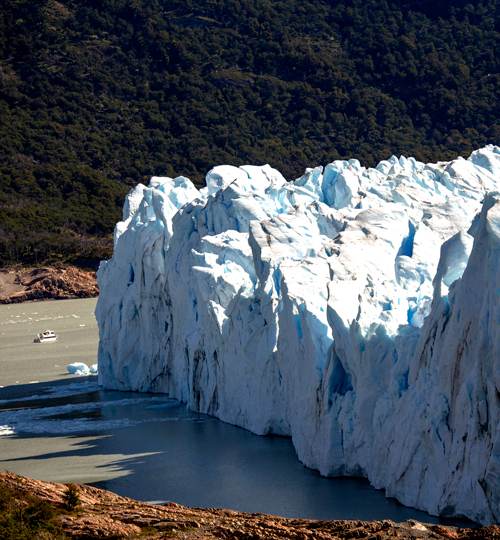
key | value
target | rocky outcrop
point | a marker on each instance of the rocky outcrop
(102, 514)
(46, 283)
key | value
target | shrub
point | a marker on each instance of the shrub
(71, 497)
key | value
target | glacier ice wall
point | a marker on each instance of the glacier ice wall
(355, 310)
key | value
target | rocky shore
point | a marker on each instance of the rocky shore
(22, 285)
(101, 514)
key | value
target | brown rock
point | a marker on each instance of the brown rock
(96, 525)
(46, 283)
(102, 514)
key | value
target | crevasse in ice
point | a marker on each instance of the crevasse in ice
(355, 310)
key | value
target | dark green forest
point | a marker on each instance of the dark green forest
(98, 95)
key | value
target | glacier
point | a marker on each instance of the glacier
(354, 310)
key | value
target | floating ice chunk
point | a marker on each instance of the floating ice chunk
(78, 368)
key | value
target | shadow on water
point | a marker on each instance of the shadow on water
(18, 392)
(161, 454)
(218, 465)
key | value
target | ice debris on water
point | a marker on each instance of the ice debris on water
(42, 420)
(79, 368)
(356, 310)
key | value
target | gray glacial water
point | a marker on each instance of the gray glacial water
(58, 427)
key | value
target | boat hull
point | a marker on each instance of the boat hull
(45, 336)
(44, 340)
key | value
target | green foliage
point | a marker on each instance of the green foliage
(24, 517)
(71, 497)
(98, 95)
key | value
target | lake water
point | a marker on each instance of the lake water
(63, 428)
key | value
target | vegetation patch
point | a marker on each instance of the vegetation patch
(24, 517)
(99, 95)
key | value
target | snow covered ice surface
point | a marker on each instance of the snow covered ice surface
(355, 310)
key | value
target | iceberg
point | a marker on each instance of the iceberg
(79, 368)
(354, 310)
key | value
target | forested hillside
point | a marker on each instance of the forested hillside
(98, 95)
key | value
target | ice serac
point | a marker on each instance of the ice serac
(356, 310)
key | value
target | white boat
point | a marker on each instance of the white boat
(48, 335)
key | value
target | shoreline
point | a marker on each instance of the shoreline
(101, 513)
(19, 285)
